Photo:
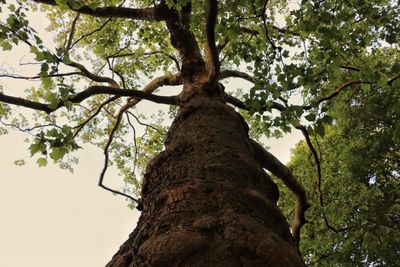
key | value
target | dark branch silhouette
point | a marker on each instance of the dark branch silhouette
(91, 91)
(149, 14)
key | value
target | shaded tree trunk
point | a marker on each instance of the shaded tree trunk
(206, 202)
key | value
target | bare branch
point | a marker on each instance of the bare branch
(97, 89)
(150, 14)
(142, 123)
(236, 74)
(28, 130)
(85, 72)
(90, 33)
(91, 91)
(106, 158)
(306, 135)
(277, 168)
(349, 68)
(19, 77)
(134, 141)
(99, 108)
(69, 44)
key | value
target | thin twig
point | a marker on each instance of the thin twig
(306, 135)
(134, 141)
(19, 77)
(142, 123)
(81, 125)
(106, 159)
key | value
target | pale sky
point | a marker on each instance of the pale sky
(50, 217)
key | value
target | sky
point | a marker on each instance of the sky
(51, 217)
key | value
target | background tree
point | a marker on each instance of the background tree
(298, 56)
(358, 156)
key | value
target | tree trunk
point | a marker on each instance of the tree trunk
(206, 202)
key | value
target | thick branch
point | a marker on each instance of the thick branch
(91, 91)
(236, 74)
(175, 79)
(152, 86)
(277, 168)
(24, 103)
(156, 13)
(211, 51)
(98, 89)
(183, 39)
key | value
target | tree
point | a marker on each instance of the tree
(206, 193)
(359, 223)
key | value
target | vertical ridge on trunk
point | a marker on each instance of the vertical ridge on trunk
(206, 202)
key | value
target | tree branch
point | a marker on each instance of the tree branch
(391, 81)
(277, 168)
(16, 76)
(99, 108)
(306, 135)
(211, 51)
(24, 103)
(150, 14)
(183, 39)
(240, 104)
(88, 34)
(236, 74)
(91, 91)
(335, 93)
(98, 89)
(85, 72)
(106, 158)
(69, 44)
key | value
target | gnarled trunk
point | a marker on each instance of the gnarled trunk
(206, 202)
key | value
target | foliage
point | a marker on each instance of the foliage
(361, 183)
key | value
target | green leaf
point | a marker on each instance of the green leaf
(41, 162)
(36, 147)
(310, 117)
(19, 162)
(6, 45)
(365, 87)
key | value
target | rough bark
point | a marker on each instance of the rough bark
(206, 201)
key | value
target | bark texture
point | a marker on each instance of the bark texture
(206, 201)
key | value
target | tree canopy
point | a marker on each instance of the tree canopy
(330, 69)
(355, 217)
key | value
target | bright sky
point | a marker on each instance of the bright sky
(50, 217)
